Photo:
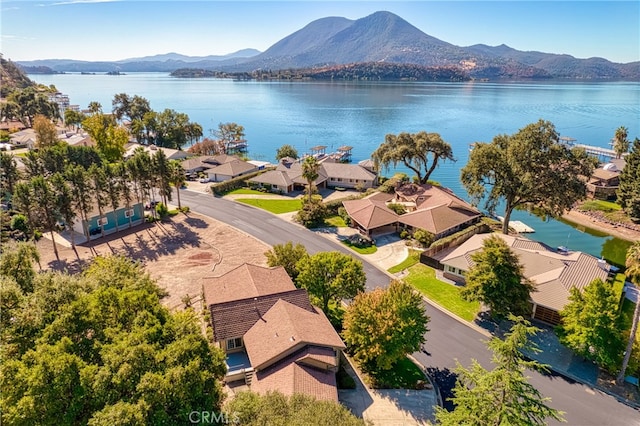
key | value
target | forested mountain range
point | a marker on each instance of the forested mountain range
(381, 37)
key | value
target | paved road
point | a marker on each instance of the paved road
(448, 340)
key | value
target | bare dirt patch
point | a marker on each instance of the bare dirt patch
(178, 252)
(615, 230)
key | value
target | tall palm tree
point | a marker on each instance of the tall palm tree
(112, 189)
(98, 186)
(9, 174)
(177, 177)
(81, 192)
(633, 273)
(162, 172)
(45, 206)
(64, 200)
(620, 141)
(310, 167)
(124, 183)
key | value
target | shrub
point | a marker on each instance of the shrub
(342, 212)
(312, 213)
(162, 210)
(397, 208)
(425, 238)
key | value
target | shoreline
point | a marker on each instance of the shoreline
(579, 218)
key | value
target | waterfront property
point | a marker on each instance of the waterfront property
(432, 208)
(553, 272)
(229, 169)
(273, 337)
(603, 183)
(172, 154)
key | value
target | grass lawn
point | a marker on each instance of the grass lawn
(423, 278)
(244, 191)
(403, 375)
(412, 259)
(336, 221)
(605, 206)
(273, 206)
(361, 250)
(618, 284)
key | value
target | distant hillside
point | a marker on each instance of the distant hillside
(381, 37)
(12, 77)
(370, 71)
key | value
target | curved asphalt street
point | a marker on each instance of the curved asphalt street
(448, 339)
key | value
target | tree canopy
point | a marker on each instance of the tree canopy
(502, 396)
(287, 255)
(629, 189)
(527, 169)
(382, 326)
(421, 152)
(274, 408)
(496, 279)
(620, 141)
(331, 277)
(100, 348)
(589, 324)
(286, 150)
(633, 273)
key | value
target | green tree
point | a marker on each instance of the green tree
(286, 150)
(310, 172)
(171, 129)
(502, 396)
(620, 142)
(383, 326)
(29, 102)
(287, 255)
(9, 174)
(110, 139)
(629, 189)
(527, 169)
(95, 107)
(177, 177)
(121, 176)
(101, 345)
(46, 133)
(17, 262)
(331, 277)
(45, 213)
(81, 192)
(112, 189)
(228, 135)
(160, 165)
(65, 202)
(421, 152)
(633, 273)
(98, 182)
(73, 118)
(251, 409)
(496, 279)
(589, 324)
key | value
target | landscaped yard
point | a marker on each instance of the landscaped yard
(423, 278)
(412, 259)
(336, 221)
(361, 250)
(403, 375)
(273, 206)
(247, 191)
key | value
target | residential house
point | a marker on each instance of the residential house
(275, 180)
(552, 272)
(273, 337)
(172, 154)
(431, 208)
(348, 175)
(435, 209)
(111, 220)
(229, 170)
(603, 183)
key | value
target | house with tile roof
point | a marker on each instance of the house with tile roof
(553, 273)
(432, 208)
(229, 170)
(273, 337)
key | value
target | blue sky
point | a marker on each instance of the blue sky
(112, 30)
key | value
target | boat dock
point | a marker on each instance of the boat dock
(518, 226)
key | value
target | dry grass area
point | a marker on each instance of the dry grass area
(178, 252)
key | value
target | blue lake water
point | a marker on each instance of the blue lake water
(361, 114)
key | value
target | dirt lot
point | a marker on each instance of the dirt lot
(177, 252)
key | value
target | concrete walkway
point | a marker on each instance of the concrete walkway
(386, 407)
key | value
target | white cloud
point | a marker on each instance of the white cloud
(82, 1)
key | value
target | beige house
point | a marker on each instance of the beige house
(604, 182)
(274, 339)
(276, 180)
(553, 273)
(229, 170)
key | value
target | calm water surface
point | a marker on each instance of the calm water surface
(361, 114)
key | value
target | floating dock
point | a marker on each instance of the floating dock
(518, 226)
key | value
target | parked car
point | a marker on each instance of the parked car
(151, 204)
(204, 180)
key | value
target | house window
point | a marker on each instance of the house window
(234, 343)
(129, 213)
(103, 221)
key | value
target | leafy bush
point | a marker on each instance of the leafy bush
(312, 213)
(397, 208)
(342, 212)
(425, 238)
(221, 188)
(162, 210)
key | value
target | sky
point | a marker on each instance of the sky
(109, 30)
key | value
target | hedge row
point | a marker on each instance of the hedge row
(221, 188)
